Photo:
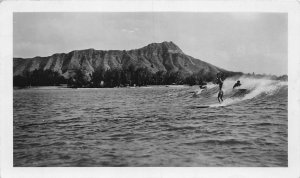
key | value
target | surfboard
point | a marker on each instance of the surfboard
(202, 106)
(194, 107)
(242, 89)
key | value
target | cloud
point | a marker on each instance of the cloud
(132, 30)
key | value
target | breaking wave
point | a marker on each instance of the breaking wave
(251, 89)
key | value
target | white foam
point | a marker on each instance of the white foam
(255, 86)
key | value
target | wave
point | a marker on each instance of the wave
(251, 89)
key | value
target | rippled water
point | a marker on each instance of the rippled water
(155, 126)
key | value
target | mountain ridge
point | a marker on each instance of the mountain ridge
(164, 57)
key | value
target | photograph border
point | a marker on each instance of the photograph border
(7, 8)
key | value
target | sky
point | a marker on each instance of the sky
(243, 42)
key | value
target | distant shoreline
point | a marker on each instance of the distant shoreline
(65, 87)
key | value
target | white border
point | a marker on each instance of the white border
(6, 47)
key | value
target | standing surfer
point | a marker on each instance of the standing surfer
(220, 83)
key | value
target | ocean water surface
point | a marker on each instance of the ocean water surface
(152, 126)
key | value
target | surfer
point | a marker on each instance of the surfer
(202, 85)
(220, 83)
(237, 84)
(220, 96)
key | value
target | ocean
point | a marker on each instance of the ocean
(153, 126)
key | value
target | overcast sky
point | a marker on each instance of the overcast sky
(246, 42)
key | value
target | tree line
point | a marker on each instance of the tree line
(139, 77)
(39, 78)
(111, 78)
